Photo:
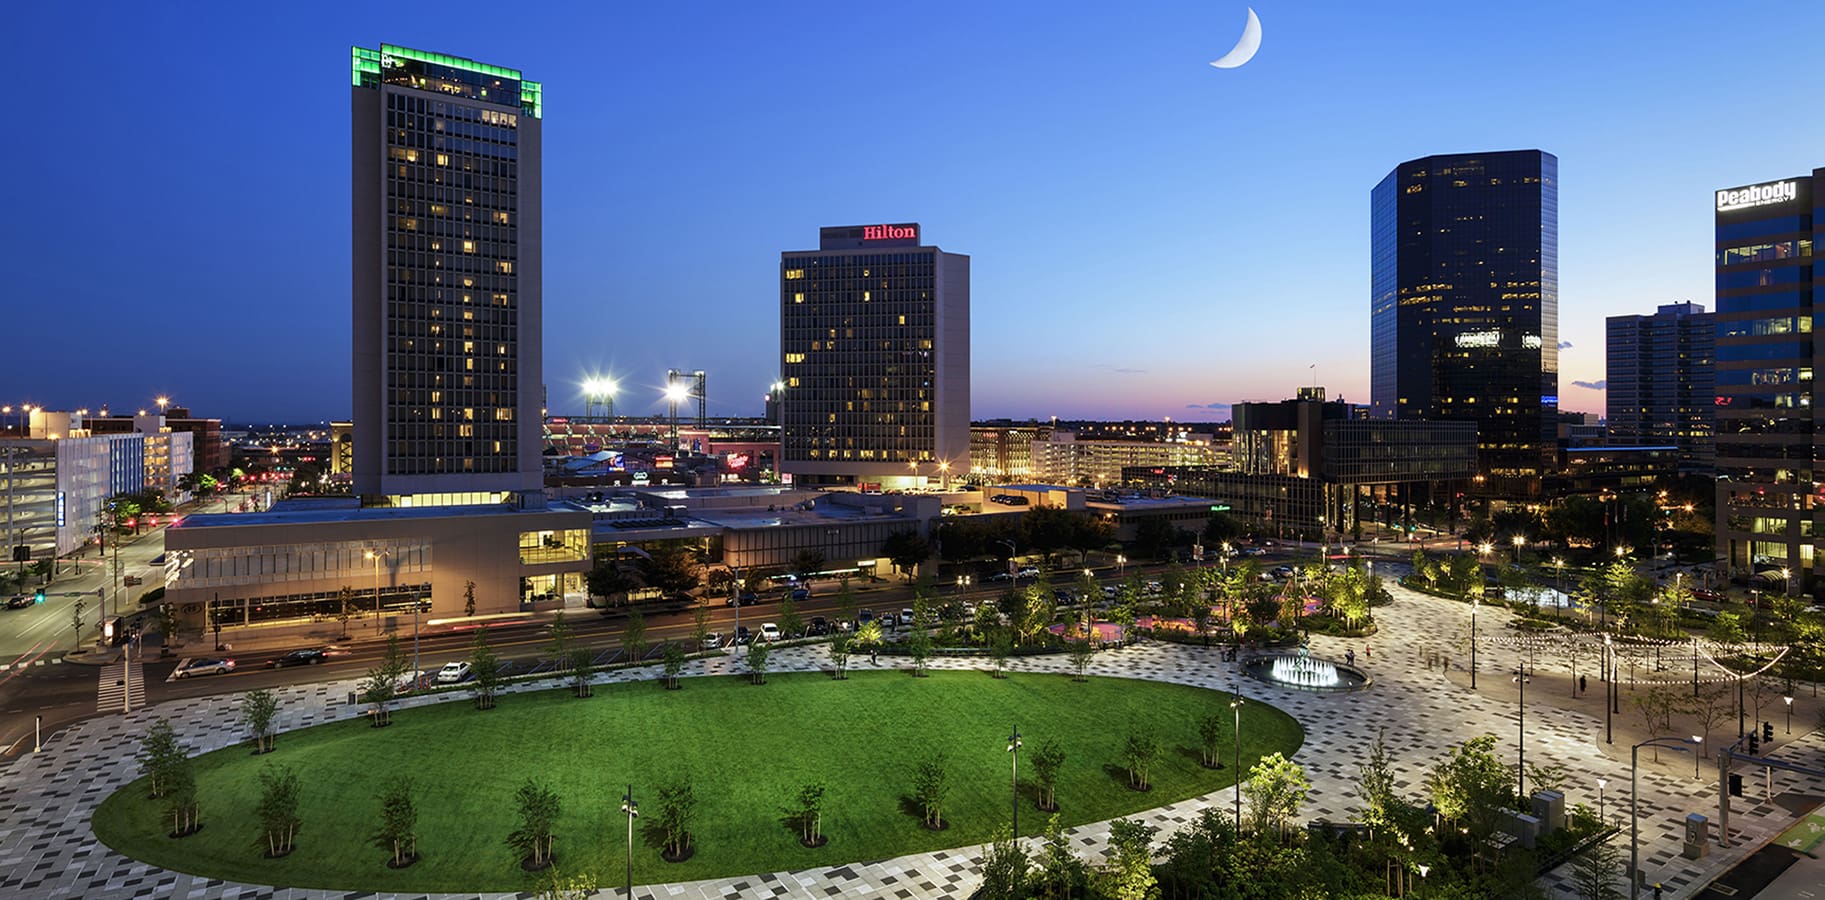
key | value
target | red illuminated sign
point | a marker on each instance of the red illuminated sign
(890, 232)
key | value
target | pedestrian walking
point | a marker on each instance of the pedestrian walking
(1349, 656)
(1368, 652)
(1580, 684)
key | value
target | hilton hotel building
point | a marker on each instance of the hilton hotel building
(875, 359)
(1768, 500)
(446, 302)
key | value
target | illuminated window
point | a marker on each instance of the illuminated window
(794, 274)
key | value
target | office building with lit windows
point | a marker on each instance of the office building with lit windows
(875, 360)
(445, 450)
(447, 249)
(1464, 305)
(1660, 382)
(1767, 450)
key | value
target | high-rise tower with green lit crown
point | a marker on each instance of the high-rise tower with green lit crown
(447, 299)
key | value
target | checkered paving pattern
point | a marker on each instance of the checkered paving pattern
(47, 849)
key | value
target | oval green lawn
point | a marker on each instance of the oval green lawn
(747, 749)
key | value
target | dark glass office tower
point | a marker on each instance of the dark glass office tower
(1660, 378)
(1767, 451)
(447, 255)
(1464, 306)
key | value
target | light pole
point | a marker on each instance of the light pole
(1520, 769)
(1559, 576)
(1473, 607)
(1013, 551)
(1609, 729)
(1786, 582)
(376, 556)
(1014, 754)
(1519, 542)
(633, 812)
(675, 393)
(1236, 705)
(1634, 821)
(1121, 565)
(1789, 699)
(1601, 784)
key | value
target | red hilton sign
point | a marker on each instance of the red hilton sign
(890, 232)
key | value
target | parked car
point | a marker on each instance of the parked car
(1065, 595)
(1254, 551)
(1154, 587)
(296, 658)
(712, 640)
(906, 618)
(889, 621)
(1111, 591)
(1002, 576)
(864, 617)
(742, 636)
(769, 632)
(204, 666)
(819, 627)
(453, 672)
(800, 593)
(748, 598)
(1027, 572)
(1708, 595)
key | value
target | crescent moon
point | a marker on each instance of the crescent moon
(1246, 47)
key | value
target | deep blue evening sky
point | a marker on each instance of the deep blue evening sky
(1149, 234)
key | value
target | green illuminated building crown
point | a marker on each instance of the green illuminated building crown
(371, 67)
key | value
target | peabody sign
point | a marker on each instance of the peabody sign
(1758, 195)
(890, 232)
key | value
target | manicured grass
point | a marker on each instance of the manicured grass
(746, 748)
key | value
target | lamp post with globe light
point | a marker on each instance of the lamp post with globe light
(1014, 754)
(632, 808)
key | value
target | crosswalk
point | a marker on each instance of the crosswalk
(113, 685)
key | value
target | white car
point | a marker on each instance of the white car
(452, 673)
(190, 667)
(712, 640)
(769, 632)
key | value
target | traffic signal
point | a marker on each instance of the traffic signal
(1767, 732)
(1736, 785)
(38, 596)
(1754, 745)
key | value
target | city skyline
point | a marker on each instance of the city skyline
(1125, 204)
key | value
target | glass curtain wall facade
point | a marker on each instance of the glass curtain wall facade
(447, 300)
(1767, 450)
(874, 358)
(1464, 306)
(1660, 376)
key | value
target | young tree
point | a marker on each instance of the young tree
(930, 784)
(808, 813)
(180, 795)
(258, 707)
(1595, 872)
(1061, 873)
(538, 809)
(278, 809)
(486, 667)
(346, 608)
(1128, 874)
(633, 637)
(559, 648)
(582, 666)
(1080, 651)
(398, 831)
(469, 598)
(757, 662)
(700, 626)
(1711, 708)
(919, 646)
(673, 656)
(159, 753)
(791, 624)
(676, 803)
(1210, 737)
(1275, 790)
(1471, 785)
(382, 683)
(1004, 868)
(1137, 757)
(1046, 761)
(839, 655)
(1001, 646)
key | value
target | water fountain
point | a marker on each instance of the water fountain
(1304, 672)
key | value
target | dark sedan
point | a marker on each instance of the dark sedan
(296, 658)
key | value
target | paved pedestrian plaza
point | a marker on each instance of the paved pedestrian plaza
(47, 849)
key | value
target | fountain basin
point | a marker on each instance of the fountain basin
(1305, 673)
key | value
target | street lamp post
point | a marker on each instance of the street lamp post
(633, 812)
(1236, 706)
(1789, 699)
(1473, 608)
(1014, 754)
(1520, 769)
(1519, 542)
(1559, 576)
(1609, 729)
(1634, 820)
(1601, 784)
(1121, 565)
(376, 556)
